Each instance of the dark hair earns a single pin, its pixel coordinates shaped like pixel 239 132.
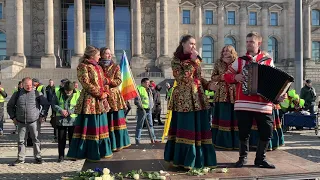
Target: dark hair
pixel 19 82
pixel 103 50
pixel 143 80
pixel 179 49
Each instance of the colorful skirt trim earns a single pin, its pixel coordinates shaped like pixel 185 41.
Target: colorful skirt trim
pixel 118 132
pixel 277 139
pixel 189 142
pixel 90 139
pixel 225 132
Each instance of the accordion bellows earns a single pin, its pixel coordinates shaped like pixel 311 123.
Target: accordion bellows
pixel 266 81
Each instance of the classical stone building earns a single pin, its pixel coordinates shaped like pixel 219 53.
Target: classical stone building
pixel 54 33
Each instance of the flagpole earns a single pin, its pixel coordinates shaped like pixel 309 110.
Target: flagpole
pixel 135 87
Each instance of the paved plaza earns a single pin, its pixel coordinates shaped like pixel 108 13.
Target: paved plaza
pixel 304 144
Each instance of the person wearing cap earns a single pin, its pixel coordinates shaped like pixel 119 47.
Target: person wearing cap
pixel 3 95
pixel 63 103
pixel 61 84
pixel 308 93
pixel 38 86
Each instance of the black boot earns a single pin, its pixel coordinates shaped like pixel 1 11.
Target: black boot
pixel 260 160
pixel 243 154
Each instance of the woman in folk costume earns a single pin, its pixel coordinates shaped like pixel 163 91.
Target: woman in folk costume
pixel 118 131
pixel 90 139
pixel 224 129
pixel 189 143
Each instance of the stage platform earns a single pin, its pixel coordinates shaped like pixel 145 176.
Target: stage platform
pixel 149 157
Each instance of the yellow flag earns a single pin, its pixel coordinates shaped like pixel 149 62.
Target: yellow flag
pixel 168 115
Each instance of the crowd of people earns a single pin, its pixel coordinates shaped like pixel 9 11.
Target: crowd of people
pixel 205 114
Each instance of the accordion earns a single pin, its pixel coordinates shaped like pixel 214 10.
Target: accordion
pixel 266 81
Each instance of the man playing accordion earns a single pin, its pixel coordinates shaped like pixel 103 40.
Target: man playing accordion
pixel 247 108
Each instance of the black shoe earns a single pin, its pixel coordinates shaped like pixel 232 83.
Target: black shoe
pixel 263 164
pixel 240 162
pixel 260 160
pixel 61 159
pixel 39 161
pixel 17 162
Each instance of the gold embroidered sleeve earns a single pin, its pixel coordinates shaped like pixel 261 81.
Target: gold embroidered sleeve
pixel 83 77
pixel 216 77
pixel 182 71
pixel 115 81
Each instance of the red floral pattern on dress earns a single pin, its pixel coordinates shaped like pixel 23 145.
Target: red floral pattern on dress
pixel 189 94
pixel 115 99
pixel 91 78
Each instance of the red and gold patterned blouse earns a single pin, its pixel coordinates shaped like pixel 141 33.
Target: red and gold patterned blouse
pixel 113 76
pixel 225 92
pixel 92 80
pixel 189 94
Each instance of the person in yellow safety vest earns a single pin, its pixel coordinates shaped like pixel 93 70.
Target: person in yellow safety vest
pixel 64 102
pixel 76 86
pixel 20 86
pixel 38 86
pixel 144 103
pixel 210 96
pixel 61 84
pixel 3 96
pixel 292 103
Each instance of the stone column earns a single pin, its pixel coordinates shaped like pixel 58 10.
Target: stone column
pixel 265 26
pixel 285 30
pixel 306 30
pixel 48 61
pixel 78 34
pixel 199 22
pixel 18 55
pixel 109 25
pixel 137 59
pixel 221 30
pixel 243 28
pixel 164 60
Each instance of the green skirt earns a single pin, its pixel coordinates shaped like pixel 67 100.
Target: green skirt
pixel 118 132
pixel 90 139
pixel 277 139
pixel 190 140
pixel 225 132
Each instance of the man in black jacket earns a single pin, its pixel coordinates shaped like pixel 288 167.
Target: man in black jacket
pixel 308 93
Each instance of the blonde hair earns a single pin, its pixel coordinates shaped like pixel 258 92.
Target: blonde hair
pixel 233 53
pixel 90 51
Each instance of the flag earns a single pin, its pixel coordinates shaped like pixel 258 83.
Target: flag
pixel 168 116
pixel 127 87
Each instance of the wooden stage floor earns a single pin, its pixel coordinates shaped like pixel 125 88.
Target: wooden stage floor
pixel 149 157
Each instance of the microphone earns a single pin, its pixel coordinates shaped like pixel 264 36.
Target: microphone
pixel 200 58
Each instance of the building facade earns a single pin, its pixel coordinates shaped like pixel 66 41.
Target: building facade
pixel 54 33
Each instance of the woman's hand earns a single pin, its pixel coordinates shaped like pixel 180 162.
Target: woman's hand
pixel 194 55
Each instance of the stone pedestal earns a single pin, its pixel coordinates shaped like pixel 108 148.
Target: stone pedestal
pixel 137 62
pixel 48 62
pixel 167 71
pixel 75 62
pixel 10 68
pixel 20 59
